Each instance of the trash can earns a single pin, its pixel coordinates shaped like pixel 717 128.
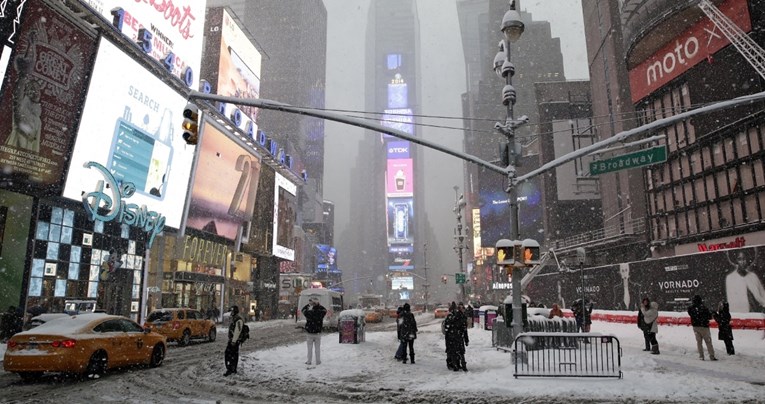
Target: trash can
pixel 490 315
pixel 351 326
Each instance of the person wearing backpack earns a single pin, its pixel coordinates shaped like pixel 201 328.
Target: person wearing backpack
pixel 314 314
pixel 235 334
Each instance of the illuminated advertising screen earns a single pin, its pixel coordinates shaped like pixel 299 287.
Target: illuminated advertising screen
pixel 260 240
pixel 401 282
pixel 393 61
pixel 399 178
pixel 285 214
pixel 400 220
pixel 225 185
pixel 399 119
pixel 398 150
pixel 405 294
pixel 401 257
pixel 43 83
pixel 131 125
pixel 237 72
pixel 326 258
pixel 397 95
pixel 176 29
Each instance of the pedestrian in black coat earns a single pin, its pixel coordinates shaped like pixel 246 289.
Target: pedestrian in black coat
pixel 231 355
pixel 401 351
pixel 724 330
pixel 408 331
pixel 700 317
pixel 456 337
pixel 642 325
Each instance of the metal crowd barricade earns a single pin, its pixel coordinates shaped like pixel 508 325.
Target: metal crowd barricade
pixel 502 334
pixel 567 354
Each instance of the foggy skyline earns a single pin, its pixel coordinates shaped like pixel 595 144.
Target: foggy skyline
pixel 441 86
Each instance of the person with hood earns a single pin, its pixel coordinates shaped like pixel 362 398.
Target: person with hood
pixel 314 314
pixel 231 355
pixel 555 311
pixel 646 302
pixel 470 313
pixel 583 315
pixel 724 330
pixel 700 317
pixel 456 337
pixel 408 331
pixel 401 351
pixel 650 311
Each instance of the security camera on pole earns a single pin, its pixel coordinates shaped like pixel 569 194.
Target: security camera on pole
pixel 512 28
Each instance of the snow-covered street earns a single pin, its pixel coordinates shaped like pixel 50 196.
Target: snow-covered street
pixel 272 369
pixel 677 375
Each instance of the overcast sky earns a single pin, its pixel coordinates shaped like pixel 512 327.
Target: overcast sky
pixel 442 84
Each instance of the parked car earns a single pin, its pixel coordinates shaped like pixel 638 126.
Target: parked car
pixel 372 316
pixel 441 312
pixel 42 319
pixel 182 325
pixel 85 344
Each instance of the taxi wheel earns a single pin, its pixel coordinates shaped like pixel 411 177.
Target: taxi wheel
pixel 157 356
pixel 185 339
pixel 212 334
pixel 30 376
pixel 97 364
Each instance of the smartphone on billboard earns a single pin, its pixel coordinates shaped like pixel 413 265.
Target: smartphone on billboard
pixel 402 220
pixel 141 158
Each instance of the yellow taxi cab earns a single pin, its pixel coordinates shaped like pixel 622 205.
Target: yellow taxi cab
pixel 86 344
pixel 372 316
pixel 441 312
pixel 182 325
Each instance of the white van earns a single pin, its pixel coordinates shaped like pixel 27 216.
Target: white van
pixel 331 300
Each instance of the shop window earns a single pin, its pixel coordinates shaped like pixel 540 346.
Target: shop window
pixel 755 139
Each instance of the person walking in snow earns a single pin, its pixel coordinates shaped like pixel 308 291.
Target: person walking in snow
pixel 401 351
pixel 724 330
pixel 231 355
pixel 642 324
pixel 456 337
pixel 650 312
pixel 583 315
pixel 408 331
pixel 314 314
pixel 700 317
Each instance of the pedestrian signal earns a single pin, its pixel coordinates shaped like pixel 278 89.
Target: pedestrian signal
pixel 191 124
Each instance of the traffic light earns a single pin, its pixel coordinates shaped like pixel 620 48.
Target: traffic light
pixel 504 154
pixel 443 279
pixel 504 252
pixel 528 252
pixel 191 124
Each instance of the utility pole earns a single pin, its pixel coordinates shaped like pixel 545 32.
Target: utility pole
pixel 425 284
pixel 459 205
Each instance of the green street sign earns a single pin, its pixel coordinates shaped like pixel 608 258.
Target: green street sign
pixel 637 159
pixel 459 278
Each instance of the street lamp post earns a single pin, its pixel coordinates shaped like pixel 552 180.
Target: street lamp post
pixel 426 284
pixel 459 238
pixel 512 28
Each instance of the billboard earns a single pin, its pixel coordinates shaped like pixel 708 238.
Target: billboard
pixel 402 282
pixel 169 32
pixel 326 258
pixel 691 47
pixel 735 275
pixel 225 185
pixel 398 149
pixel 399 178
pixel 401 257
pixel 43 81
pixel 397 94
pixel 260 240
pixel 236 66
pixel 131 126
pixel 400 220
pixel 285 216
pixel 399 119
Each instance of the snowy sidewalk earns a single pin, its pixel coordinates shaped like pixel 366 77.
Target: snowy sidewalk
pixel 675 375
